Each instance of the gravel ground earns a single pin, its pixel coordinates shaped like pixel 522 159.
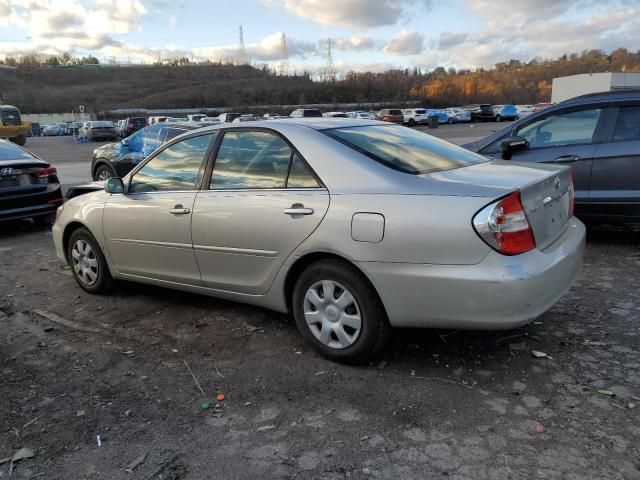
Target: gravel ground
pixel 463 405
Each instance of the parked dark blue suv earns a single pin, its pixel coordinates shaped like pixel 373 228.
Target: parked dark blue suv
pixel 598 135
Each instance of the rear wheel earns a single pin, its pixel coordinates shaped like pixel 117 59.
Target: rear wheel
pixel 412 122
pixel 103 172
pixel 339 312
pixel 450 121
pixel 88 264
pixel 498 118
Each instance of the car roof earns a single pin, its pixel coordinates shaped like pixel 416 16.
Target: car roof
pixel 604 96
pixel 315 123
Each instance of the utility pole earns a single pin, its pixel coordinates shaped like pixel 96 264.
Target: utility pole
pixel 242 51
pixel 284 63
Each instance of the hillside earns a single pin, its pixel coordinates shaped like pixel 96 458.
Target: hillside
pixel 46 89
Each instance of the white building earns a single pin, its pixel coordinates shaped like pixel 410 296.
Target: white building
pixel 564 88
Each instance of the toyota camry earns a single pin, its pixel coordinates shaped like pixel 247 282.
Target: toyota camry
pixel 352 226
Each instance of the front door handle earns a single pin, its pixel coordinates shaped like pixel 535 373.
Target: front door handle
pixel 179 210
pixel 566 159
pixel 298 209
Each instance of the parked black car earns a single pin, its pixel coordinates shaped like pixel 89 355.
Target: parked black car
pixel 133 124
pixel 598 136
pixel 480 112
pixel 29 186
pixel 118 159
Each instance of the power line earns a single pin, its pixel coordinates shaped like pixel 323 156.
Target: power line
pixel 284 62
pixel 242 51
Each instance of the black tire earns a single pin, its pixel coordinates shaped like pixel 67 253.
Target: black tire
pixel 498 118
pixel 44 220
pixel 375 329
pixel 412 122
pixel 103 170
pixel 20 140
pixel 103 282
pixel 450 121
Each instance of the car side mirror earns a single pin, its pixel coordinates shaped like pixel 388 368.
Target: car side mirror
pixel 511 145
pixel 114 185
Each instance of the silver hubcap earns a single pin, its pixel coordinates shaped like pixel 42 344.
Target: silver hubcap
pixel 104 175
pixel 85 263
pixel 332 314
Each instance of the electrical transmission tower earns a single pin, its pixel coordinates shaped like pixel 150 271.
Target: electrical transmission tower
pixel 284 62
pixel 330 71
pixel 242 51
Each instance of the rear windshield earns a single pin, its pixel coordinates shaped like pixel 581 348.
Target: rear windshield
pixel 420 112
pixel 101 124
pixel 312 113
pixel 8 151
pixel 137 120
pixel 405 149
pixel 395 112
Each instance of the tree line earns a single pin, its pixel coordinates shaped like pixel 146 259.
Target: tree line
pixel 36 85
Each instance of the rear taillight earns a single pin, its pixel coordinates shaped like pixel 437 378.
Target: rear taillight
pixel 572 195
pixel 504 226
pixel 45 172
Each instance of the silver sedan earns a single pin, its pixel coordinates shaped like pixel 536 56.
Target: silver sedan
pixel 352 226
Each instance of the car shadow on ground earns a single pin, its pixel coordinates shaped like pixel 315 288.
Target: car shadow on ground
pixel 12 228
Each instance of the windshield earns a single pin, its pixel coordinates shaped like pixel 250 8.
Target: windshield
pixel 420 112
pixel 8 151
pixel 405 149
pixel 102 124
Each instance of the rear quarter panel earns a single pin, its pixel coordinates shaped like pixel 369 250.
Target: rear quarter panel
pixel 417 229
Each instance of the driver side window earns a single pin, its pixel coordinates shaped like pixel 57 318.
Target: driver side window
pixel 568 128
pixel 174 168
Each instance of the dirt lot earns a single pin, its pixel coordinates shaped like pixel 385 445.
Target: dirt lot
pixel 463 405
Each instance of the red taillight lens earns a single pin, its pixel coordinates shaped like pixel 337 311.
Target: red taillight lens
pixel 45 172
pixel 572 194
pixel 504 226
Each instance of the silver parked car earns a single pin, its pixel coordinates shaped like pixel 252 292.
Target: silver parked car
pixel 353 226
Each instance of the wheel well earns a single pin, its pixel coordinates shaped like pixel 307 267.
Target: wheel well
pixel 98 164
pixel 69 229
pixel 303 262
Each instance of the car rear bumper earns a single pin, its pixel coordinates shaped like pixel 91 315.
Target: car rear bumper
pixel 28 206
pixel 500 292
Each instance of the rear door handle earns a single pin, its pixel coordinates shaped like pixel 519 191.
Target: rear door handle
pixel 179 210
pixel 298 210
pixel 566 159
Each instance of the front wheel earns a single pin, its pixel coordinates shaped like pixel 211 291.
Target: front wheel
pixel 450 121
pixel 339 312
pixel 498 118
pixel 103 172
pixel 412 122
pixel 88 264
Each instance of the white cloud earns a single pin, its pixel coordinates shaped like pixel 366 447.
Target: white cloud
pixel 267 49
pixel 544 28
pixel 55 26
pixel 353 44
pixel 351 13
pixel 405 43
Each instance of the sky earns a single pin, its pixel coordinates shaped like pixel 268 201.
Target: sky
pixel 373 35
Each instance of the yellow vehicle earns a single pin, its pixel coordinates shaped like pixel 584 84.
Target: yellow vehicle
pixel 12 126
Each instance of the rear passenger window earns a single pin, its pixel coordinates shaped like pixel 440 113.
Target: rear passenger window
pixel 628 124
pixel 300 176
pixel 258 160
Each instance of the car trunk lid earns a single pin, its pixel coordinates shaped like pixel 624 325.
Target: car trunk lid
pixel 23 177
pixel 545 191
